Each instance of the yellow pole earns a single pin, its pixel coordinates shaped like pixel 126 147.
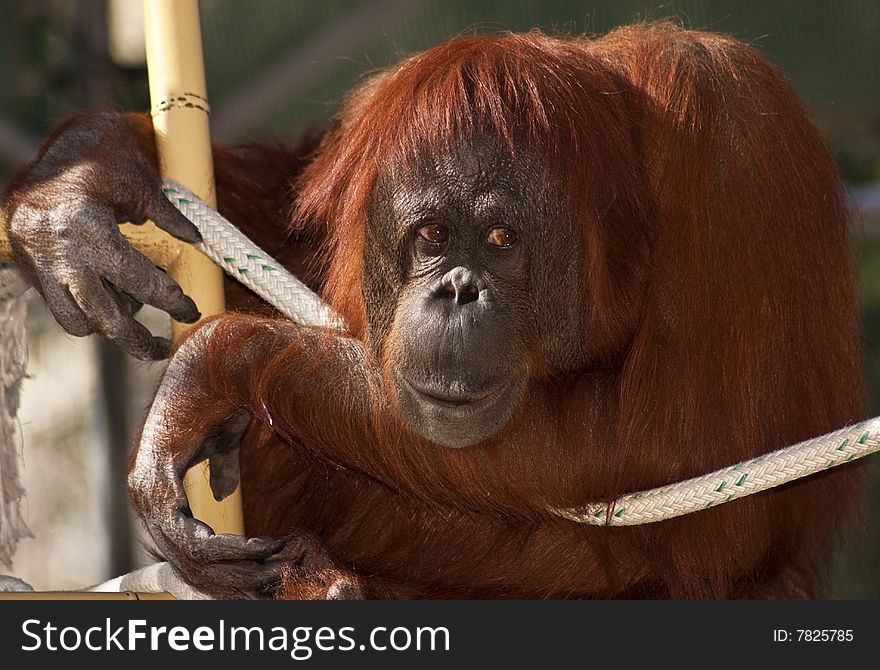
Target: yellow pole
pixel 5 251
pixel 180 118
pixel 180 109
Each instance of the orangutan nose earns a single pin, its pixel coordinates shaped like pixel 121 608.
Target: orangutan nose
pixel 461 284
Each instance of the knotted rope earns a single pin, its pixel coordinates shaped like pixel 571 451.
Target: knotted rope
pixel 249 264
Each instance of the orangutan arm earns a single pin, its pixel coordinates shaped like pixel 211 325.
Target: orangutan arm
pixel 221 376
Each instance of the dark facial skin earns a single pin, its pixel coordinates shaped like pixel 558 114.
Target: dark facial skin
pixel 473 283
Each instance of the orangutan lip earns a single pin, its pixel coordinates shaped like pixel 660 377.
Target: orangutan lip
pixel 474 401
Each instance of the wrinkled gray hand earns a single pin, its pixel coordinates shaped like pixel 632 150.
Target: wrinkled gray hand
pixel 220 565
pixel 230 566
pixel 63 213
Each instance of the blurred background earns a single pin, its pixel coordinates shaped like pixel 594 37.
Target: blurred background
pixel 277 67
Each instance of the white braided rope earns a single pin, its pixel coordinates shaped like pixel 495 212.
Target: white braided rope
pixel 736 481
pixel 224 244
pixel 254 268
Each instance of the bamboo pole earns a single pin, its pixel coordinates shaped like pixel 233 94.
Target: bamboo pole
pixel 180 118
pixel 180 110
pixel 5 251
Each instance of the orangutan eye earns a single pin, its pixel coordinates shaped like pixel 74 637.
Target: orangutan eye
pixel 501 237
pixel 434 233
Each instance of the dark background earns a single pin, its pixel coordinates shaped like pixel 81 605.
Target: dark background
pixel 276 67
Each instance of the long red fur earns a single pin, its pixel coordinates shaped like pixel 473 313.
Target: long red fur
pixel 721 316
